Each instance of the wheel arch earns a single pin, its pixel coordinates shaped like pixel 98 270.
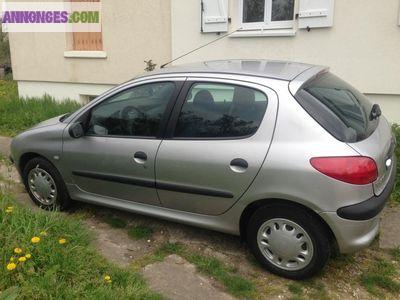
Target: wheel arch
pixel 252 207
pixel 26 157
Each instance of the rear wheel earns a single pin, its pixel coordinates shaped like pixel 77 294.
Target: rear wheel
pixel 45 185
pixel 288 241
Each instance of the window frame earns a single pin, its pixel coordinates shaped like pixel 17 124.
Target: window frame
pixel 268 23
pixel 85 116
pixel 173 122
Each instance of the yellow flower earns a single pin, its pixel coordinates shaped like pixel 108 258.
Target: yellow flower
pixel 107 278
pixel 17 250
pixel 28 256
pixel 9 211
pixel 10 207
pixel 11 266
pixel 35 240
pixel 43 233
pixel 22 259
pixel 62 241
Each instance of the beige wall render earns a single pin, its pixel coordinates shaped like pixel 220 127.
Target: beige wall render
pixel 363 46
pixel 133 31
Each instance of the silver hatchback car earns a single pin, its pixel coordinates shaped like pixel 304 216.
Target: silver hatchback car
pixel 286 155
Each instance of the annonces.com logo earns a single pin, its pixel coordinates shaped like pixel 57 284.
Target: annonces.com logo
pixel 51 17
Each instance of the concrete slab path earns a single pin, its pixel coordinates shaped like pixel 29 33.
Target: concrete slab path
pixel 177 279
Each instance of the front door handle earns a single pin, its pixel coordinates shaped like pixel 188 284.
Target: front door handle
pixel 239 165
pixel 140 157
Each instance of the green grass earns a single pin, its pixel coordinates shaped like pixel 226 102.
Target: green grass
pixel 315 290
pixel 396 254
pixel 378 278
pixel 235 284
pixel 296 288
pixel 396 192
pixel 58 271
pixel 17 114
pixel 115 222
pixel 140 232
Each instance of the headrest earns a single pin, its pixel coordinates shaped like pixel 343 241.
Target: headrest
pixel 243 97
pixel 203 99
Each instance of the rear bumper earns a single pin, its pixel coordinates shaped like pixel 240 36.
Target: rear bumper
pixel 352 236
pixel 356 226
pixel 370 208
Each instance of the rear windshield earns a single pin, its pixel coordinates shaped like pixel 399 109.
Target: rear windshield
pixel 338 107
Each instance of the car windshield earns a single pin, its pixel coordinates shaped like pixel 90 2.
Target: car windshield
pixel 338 107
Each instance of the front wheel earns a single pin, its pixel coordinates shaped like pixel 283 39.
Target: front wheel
pixel 45 185
pixel 288 241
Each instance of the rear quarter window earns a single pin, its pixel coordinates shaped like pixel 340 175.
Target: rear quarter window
pixel 338 107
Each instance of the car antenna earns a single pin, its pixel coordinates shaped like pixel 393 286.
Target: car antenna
pixel 198 48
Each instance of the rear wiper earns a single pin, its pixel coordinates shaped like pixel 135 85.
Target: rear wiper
pixel 375 112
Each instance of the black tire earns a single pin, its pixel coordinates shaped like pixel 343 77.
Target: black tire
pixel 62 201
pixel 311 224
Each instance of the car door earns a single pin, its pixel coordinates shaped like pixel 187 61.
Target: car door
pixel 116 156
pixel 217 140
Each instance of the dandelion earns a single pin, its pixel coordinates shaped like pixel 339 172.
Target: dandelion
pixel 9 211
pixel 28 256
pixel 22 259
pixel 43 233
pixel 107 279
pixel 11 266
pixel 35 240
pixel 62 241
pixel 17 250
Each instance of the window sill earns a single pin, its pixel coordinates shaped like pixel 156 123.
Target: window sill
pixel 85 54
pixel 264 33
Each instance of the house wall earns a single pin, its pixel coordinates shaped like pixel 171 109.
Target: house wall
pixel 133 31
pixel 362 47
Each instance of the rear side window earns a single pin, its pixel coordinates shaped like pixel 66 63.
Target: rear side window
pixel 220 111
pixel 338 107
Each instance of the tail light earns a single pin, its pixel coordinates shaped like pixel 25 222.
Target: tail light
pixel 351 169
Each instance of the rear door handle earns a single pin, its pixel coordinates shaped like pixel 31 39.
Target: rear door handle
pixel 140 157
pixel 239 165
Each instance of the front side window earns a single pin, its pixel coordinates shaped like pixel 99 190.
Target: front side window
pixel 135 112
pixel 221 111
pixel 267 14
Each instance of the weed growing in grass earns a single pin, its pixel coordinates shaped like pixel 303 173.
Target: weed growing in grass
pixel 379 277
pixel 50 269
pixel 140 232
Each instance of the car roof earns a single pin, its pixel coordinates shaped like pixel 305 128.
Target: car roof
pixel 283 70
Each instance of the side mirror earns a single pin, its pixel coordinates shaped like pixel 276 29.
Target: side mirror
pixel 76 130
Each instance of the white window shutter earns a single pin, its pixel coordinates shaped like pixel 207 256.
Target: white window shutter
pixel 316 13
pixel 214 15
